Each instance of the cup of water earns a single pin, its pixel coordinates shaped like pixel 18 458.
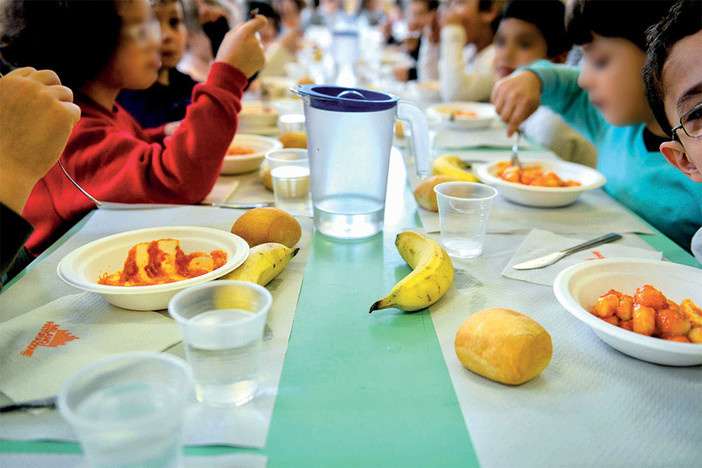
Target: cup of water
pixel 290 171
pixel 222 323
pixel 464 209
pixel 128 410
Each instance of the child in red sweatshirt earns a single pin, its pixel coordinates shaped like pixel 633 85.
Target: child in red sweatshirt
pixel 102 47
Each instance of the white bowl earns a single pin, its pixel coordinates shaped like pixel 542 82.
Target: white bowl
pixel 544 197
pixel 82 267
pixel 578 287
pixel 249 162
pixel 253 116
pixel 484 114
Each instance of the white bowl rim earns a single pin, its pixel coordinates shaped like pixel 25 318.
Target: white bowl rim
pixel 483 171
pixel 568 302
pixel 240 246
pixel 478 106
pixel 274 142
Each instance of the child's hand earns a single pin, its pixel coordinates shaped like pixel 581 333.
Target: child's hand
pixel 37 115
pixel 292 41
pixel 516 97
pixel 241 47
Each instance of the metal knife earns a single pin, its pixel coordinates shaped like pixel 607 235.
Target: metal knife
pixel 550 259
pixel 34 404
pixel 241 206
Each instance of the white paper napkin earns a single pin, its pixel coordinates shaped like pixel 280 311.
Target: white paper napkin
pixel 539 243
pixel 39 350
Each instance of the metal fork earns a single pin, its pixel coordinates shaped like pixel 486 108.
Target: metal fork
pixel 514 158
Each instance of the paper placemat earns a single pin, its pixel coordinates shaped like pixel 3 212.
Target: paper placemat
pixel 222 190
pixel 580 390
pixel 244 426
pixel 41 349
pixel 239 460
pixel 539 243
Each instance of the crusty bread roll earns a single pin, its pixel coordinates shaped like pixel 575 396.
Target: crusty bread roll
pixel 267 224
pixel 424 193
pixel 504 346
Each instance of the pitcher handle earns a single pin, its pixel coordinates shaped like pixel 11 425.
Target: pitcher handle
pixel 420 135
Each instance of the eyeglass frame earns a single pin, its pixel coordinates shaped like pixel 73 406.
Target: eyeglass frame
pixel 682 126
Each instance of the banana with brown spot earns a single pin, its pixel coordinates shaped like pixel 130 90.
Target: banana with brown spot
pixel 265 262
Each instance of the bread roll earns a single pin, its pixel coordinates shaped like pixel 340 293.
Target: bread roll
pixel 424 193
pixel 504 346
pixel 267 224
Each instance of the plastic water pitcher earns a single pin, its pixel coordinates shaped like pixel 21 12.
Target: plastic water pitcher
pixel 349 138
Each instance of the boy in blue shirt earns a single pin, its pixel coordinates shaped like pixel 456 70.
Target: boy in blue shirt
pixel 606 103
pixel 673 79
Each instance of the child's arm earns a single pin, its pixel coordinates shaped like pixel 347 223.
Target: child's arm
pixel 456 84
pixel 555 86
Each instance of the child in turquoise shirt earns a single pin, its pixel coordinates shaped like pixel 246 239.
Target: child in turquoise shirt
pixel 606 102
pixel 673 81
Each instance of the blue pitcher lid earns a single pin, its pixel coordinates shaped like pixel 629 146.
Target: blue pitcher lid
pixel 342 99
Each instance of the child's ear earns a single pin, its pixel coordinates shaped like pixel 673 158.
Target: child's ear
pixel 675 153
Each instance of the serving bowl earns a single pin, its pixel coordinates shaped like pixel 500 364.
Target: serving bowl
pixel 578 287
pixel 253 116
pixel 83 267
pixel 239 164
pixel 544 197
pixel 463 114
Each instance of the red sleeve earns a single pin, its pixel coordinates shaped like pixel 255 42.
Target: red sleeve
pixel 116 165
pixel 156 134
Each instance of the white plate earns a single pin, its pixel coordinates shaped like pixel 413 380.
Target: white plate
pixel 544 197
pixel 83 267
pixel 578 287
pixel 249 162
pixel 484 114
pixel 252 115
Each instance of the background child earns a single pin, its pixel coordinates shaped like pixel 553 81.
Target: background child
pixel 465 53
pixel 102 48
pixel 674 90
pixel 166 100
pixel 605 101
pixel 531 30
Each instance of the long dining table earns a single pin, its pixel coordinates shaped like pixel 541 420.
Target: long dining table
pixel 383 389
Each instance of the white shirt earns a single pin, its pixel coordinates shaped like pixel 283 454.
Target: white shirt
pixel 697 245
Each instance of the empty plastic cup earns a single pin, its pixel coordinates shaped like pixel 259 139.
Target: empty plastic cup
pixel 290 171
pixel 464 209
pixel 127 410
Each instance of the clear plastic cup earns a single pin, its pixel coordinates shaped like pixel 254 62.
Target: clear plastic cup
pixel 292 122
pixel 290 171
pixel 222 324
pixel 128 410
pixel 464 209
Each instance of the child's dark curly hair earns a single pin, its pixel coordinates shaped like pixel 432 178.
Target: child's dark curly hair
pixel 684 19
pixel 76 39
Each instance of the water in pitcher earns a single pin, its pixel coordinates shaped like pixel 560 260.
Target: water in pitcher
pixel 349 216
pixel 225 375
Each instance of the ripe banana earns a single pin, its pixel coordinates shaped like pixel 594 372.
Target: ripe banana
pixel 453 166
pixel 265 262
pixel 431 276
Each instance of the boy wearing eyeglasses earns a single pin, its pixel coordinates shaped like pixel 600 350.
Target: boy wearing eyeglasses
pixel 673 80
pixel 606 102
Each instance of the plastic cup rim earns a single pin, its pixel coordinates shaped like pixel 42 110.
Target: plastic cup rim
pixel 461 183
pixel 270 156
pixel 188 322
pixel 179 399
